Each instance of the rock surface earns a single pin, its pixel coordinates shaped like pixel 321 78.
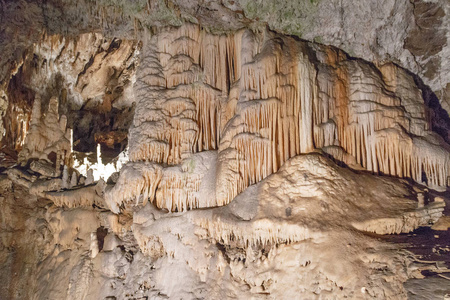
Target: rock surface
pixel 277 98
pixel 413 34
pixel 302 224
pixel 201 150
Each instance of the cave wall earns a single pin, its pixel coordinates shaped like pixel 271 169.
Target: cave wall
pixel 256 159
pixel 91 76
pixel 411 33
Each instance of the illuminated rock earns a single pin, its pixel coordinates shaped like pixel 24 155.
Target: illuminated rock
pixel 261 99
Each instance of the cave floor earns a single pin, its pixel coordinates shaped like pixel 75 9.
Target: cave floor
pixel 432 251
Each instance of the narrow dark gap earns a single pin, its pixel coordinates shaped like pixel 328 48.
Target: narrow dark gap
pixel 101 234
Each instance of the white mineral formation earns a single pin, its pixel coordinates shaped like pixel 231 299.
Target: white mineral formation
pixel 98 168
pixel 94 245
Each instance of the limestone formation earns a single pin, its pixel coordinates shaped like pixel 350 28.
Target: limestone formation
pixel 48 137
pixel 183 150
pixel 281 102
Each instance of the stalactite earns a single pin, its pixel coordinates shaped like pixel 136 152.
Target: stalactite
pixel 135 179
pixel 180 85
pixel 259 232
pixel 175 188
pixel 261 100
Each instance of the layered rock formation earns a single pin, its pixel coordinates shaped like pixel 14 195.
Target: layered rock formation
pixel 187 163
pixel 261 99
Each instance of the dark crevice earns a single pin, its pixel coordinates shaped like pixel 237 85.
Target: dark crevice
pixel 86 67
pixel 115 44
pixel 437 116
pixel 101 234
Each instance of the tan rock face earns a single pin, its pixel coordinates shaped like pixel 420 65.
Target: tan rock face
pixel 261 99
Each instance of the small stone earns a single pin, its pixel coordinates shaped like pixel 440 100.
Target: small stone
pixel 438 199
pixel 421 200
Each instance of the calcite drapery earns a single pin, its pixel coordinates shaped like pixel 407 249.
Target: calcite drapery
pixel 260 99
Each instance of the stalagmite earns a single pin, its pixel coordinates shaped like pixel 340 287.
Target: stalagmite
pixel 65 178
pixel 90 177
pixel 73 180
pixel 94 245
pixel 420 200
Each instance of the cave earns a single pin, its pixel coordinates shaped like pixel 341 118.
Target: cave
pixel 224 149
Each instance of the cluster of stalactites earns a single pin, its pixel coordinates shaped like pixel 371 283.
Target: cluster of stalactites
pixel 281 103
pixel 217 56
pixel 277 91
pixel 360 113
pixel 430 160
pixel 288 106
pixel 48 134
pixel 184 74
pixel 177 192
pixel 174 188
pixel 256 233
pixel 135 179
